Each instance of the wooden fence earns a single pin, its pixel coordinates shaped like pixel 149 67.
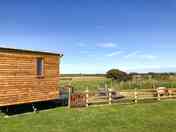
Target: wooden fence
pixel 133 96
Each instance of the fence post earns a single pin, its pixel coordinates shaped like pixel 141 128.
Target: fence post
pixel 106 86
pixel 69 97
pixel 170 93
pixel 154 84
pixel 141 84
pixel 159 98
pixel 135 96
pixel 110 96
pixel 129 85
pixel 87 97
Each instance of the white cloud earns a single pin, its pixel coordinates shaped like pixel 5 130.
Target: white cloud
pixel 114 53
pixel 3 45
pixel 7 45
pixel 107 45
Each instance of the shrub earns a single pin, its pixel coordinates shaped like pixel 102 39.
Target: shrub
pixel 118 75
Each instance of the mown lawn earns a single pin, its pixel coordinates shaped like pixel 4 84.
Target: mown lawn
pixel 153 117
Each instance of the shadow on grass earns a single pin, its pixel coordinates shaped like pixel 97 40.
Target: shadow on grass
pixel 35 107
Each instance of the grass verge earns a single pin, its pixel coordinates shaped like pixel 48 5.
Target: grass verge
pixel 150 117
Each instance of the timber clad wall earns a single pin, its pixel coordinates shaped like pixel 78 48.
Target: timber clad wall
pixel 18 78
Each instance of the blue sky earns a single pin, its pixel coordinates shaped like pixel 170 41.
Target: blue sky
pixel 95 35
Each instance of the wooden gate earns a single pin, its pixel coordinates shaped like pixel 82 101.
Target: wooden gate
pixel 78 100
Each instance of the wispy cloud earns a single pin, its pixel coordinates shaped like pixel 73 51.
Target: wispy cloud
pixel 114 53
pixel 107 45
pixel 139 55
pixel 132 54
pixel 150 57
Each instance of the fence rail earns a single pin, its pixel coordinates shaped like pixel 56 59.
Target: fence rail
pixel 126 96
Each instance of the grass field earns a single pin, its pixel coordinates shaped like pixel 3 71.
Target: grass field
pixel 149 117
pixel 81 83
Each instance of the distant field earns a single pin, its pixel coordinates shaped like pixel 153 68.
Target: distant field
pixel 83 78
pixel 81 83
pixel 81 75
pixel 93 82
pixel 150 117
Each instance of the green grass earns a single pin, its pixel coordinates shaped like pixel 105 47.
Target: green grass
pixel 150 117
pixel 82 85
pixel 94 83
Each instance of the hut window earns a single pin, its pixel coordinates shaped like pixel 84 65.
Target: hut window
pixel 40 67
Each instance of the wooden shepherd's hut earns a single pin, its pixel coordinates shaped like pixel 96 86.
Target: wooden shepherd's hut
pixel 28 76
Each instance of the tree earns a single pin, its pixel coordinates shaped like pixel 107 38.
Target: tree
pixel 118 75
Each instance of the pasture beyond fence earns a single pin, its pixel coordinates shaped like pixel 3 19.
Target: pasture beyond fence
pixel 81 83
pixel 110 96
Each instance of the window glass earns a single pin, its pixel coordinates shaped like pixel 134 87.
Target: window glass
pixel 40 67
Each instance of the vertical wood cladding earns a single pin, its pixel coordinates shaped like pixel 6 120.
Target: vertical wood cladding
pixel 19 82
